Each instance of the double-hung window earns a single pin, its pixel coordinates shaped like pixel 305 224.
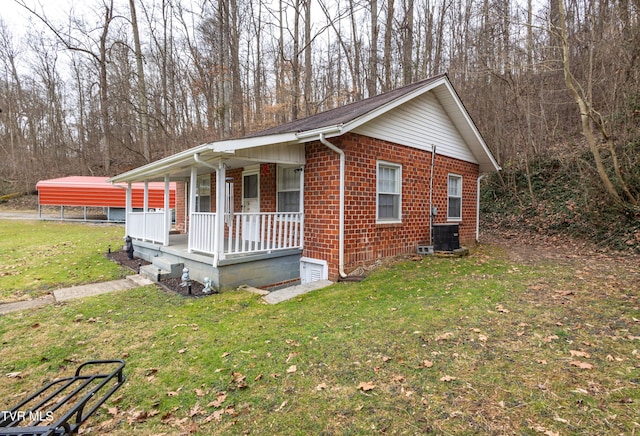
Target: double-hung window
pixel 389 192
pixel 454 199
pixel 288 187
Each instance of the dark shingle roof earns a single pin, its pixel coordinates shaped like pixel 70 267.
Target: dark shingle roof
pixel 343 114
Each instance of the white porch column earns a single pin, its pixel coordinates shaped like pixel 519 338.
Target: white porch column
pixel 193 186
pixel 128 208
pixel 145 208
pixel 218 238
pixel 167 210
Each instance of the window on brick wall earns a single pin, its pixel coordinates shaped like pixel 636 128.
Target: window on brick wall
pixel 454 198
pixel 288 187
pixel 389 195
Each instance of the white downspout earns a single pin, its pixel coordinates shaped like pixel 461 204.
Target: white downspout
pixel 478 206
pixel 433 158
pixel 341 212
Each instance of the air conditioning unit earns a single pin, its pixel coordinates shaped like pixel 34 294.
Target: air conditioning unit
pixel 446 237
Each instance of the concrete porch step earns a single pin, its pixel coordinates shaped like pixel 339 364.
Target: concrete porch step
pixel 165 264
pixel 161 268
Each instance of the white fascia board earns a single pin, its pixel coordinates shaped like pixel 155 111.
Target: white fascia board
pixel 471 125
pixel 232 145
pixel 328 132
pixel 219 148
pixel 160 167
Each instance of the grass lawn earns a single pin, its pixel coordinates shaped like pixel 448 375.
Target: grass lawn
pixel 477 345
pixel 39 256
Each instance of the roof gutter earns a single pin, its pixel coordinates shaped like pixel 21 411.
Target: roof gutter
pixel 196 157
pixel 341 209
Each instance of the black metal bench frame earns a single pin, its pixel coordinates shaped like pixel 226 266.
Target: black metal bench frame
pixel 36 415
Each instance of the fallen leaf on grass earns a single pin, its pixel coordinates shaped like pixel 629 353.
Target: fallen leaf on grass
pixel 137 416
pixel 199 392
pixel 576 353
pixel 427 363
pixel 501 309
pixel 239 379
pixel 182 350
pixel 581 365
pixel 444 336
pixel 551 338
pixel 321 386
pixel 447 378
pixel 581 391
pixel 291 356
pixel 220 398
pixel 366 386
pixel 196 410
pixel 217 415
pixel 282 406
pixel 14 374
pixel 292 369
pixel 225 354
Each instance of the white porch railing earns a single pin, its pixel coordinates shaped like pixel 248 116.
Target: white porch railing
pixel 202 232
pixel 244 233
pixel 148 226
pixel 264 231
pixel 247 233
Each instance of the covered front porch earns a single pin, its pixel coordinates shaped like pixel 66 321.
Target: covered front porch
pixel 246 225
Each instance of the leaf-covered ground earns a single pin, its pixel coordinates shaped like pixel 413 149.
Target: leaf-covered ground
pixel 527 335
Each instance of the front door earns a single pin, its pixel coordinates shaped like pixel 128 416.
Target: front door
pixel 251 205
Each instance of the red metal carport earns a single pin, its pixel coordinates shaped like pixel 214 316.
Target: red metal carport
pixel 88 191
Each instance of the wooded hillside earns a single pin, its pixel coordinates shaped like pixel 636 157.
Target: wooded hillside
pixel 128 82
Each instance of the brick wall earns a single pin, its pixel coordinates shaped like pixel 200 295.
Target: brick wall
pixel 365 240
pixel 181 207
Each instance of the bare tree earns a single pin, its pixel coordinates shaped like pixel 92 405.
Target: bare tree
pixel 142 85
pixel 590 118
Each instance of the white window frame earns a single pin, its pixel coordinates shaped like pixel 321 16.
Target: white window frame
pixel 455 195
pixel 279 173
pixel 398 191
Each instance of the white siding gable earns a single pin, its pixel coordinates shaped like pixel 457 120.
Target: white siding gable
pixel 420 123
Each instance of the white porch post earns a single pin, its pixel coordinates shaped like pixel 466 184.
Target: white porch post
pixel 167 210
pixel 193 185
pixel 218 238
pixel 128 208
pixel 145 208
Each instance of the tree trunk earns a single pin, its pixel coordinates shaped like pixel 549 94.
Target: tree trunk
pixel 583 106
pixel 387 46
pixel 142 86
pixel 372 80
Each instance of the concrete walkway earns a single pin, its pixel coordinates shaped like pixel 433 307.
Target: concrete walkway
pixel 74 292
pixel 293 291
pixel 134 281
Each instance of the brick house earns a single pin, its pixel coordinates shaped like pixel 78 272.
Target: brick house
pixel 318 197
